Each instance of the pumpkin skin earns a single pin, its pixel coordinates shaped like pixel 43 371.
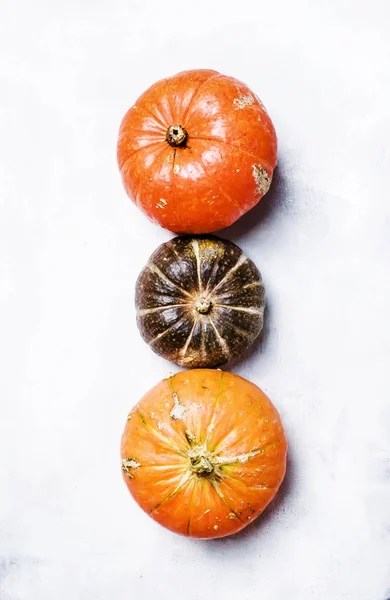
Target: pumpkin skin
pixel 196 151
pixel 203 453
pixel 199 301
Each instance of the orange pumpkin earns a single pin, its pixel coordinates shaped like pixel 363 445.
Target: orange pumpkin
pixel 197 151
pixel 203 453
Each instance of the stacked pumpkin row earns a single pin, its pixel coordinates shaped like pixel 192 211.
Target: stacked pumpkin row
pixel 204 451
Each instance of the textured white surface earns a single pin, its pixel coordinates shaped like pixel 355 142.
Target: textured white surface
pixel 72 244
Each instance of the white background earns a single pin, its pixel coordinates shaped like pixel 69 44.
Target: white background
pixel 72 245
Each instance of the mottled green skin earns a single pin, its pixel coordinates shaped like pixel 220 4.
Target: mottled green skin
pixel 188 269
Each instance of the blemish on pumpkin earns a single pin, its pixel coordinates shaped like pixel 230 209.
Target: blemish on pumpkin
pixel 262 179
pixel 189 436
pixel 242 458
pixel 216 527
pixel 178 409
pixel 128 464
pixel 162 203
pixel 243 101
pixel 142 418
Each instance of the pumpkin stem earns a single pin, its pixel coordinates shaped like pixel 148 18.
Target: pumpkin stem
pixel 203 305
pixel 176 136
pixel 201 466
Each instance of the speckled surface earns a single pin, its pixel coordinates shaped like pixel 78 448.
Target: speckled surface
pixel 72 245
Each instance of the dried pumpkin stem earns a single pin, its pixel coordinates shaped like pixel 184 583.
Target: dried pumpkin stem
pixel 201 466
pixel 203 305
pixel 176 136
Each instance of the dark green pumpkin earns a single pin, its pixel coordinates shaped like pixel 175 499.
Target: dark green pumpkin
pixel 200 301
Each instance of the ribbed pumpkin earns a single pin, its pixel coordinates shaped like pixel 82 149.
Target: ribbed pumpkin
pixel 197 151
pixel 203 453
pixel 199 301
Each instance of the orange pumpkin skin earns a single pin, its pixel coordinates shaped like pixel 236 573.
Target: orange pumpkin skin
pixel 207 180
pixel 203 453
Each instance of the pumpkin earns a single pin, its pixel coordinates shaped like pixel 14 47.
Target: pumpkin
pixel 199 301
pixel 196 151
pixel 203 453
